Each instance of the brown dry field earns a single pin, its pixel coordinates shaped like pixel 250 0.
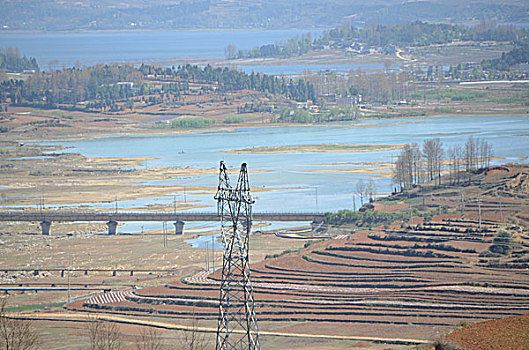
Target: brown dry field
pixel 102 179
pixel 326 289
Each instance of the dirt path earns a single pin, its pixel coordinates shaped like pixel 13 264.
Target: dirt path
pixel 80 317
pixel 398 54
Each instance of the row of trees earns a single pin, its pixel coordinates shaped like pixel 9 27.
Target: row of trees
pixel 417 165
pixel 231 79
pixel 293 47
pixel 519 54
pixel 106 83
pixel 419 34
pixel 383 87
pixel 102 86
pixel 11 61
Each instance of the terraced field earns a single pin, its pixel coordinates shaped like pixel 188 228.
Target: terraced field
pixel 415 279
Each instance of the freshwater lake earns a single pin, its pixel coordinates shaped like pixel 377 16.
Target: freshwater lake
pixel 307 181
pixel 89 48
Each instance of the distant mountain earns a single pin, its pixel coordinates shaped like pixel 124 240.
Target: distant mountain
pixel 65 15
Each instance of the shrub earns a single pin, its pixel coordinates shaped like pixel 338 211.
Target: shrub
pixel 502 243
pixel 234 119
pixel 191 123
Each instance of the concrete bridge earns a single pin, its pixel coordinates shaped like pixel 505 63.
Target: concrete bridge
pixel 46 217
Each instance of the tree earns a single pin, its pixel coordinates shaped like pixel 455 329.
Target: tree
pixel 502 243
pixel 477 154
pixel 455 159
pixel 433 152
pixel 193 339
pixel 230 51
pixel 485 153
pixel 103 335
pixel 16 333
pixel 149 339
pixel 470 156
pixel 361 188
pixel 407 170
pixel 370 190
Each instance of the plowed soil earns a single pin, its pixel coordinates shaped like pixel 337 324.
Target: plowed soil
pixel 511 333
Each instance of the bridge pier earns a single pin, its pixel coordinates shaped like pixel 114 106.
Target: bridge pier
pixel 45 226
pixel 112 227
pixel 179 227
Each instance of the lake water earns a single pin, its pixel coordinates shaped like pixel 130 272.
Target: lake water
pixel 90 48
pixel 301 182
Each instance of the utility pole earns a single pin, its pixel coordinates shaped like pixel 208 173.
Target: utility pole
pixel 316 189
pixel 501 211
pixel 206 243
pixel 411 211
pixel 213 251
pixel 68 285
pixel 164 230
pixel 462 205
pixel 479 209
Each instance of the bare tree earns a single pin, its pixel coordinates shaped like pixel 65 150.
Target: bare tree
pixel 149 339
pixel 408 168
pixel 103 335
pixel 398 173
pixel 370 190
pixel 478 154
pixel 470 159
pixel 361 188
pixel 193 339
pixel 434 153
pixel 485 153
pixel 455 159
pixel 16 333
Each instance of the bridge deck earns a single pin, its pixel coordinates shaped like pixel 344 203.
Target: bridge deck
pixel 139 216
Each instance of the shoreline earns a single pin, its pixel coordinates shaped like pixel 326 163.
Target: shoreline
pixel 160 30
pixel 145 132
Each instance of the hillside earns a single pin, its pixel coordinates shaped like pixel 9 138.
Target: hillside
pixel 221 14
pixel 397 278
pixel 511 333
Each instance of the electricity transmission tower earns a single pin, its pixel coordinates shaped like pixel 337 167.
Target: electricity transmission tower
pixel 237 323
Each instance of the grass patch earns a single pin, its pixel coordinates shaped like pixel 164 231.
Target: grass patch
pixel 33 307
pixel 444 110
pixel 191 123
pixel 449 94
pixel 234 119
pixel 514 98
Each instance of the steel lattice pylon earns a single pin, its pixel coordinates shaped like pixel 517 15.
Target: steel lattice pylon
pixel 237 323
